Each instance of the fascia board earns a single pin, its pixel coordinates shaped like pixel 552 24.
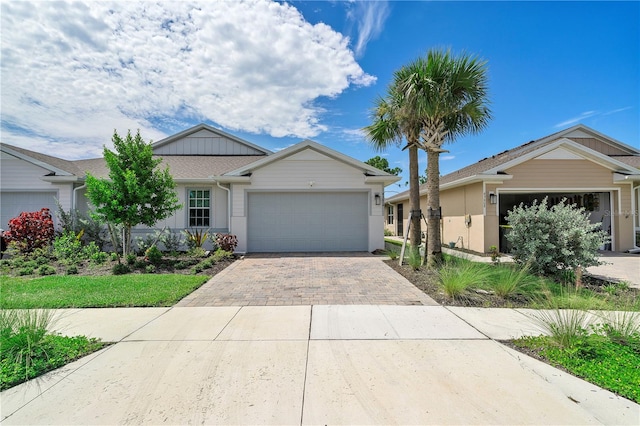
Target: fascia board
pixel 307 144
pixel 387 180
pixel 203 126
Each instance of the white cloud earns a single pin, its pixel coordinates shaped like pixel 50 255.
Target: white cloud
pixel 576 119
pixel 75 71
pixel 447 157
pixel 369 17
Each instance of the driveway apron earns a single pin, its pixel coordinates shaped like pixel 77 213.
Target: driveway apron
pixel 307 279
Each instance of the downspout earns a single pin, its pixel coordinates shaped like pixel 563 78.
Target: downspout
pixel 228 205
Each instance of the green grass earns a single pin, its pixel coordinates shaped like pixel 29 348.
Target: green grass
pixel 456 276
pixel 96 291
pixel 597 359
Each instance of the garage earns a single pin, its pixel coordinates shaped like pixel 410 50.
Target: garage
pixel 14 203
pixel 307 221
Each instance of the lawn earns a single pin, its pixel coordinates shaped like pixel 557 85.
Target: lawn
pixel 97 291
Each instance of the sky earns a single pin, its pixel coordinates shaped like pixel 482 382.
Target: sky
pixel 276 73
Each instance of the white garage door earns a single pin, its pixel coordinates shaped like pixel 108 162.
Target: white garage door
pixel 307 222
pixel 14 203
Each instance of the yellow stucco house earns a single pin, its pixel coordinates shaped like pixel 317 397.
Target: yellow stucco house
pixel 590 169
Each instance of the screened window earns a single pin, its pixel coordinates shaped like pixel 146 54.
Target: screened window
pixel 200 208
pixel 390 215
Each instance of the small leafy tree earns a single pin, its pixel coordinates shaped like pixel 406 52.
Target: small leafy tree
pixel 30 230
pixel 554 239
pixel 137 192
pixel 381 163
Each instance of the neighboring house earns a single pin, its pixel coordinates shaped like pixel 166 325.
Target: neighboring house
pixel 305 198
pixel 580 164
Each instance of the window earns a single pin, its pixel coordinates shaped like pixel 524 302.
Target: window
pixel 390 215
pixel 200 208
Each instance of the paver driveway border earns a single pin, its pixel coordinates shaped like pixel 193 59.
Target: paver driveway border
pixel 286 279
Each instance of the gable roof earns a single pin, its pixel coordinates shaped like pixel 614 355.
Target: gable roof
pixel 186 133
pixel 181 167
pixel 492 168
pixel 56 166
pixel 371 173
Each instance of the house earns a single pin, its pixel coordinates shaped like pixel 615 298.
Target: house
pixel 588 168
pixel 305 198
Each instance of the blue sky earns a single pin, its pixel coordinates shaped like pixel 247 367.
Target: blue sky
pixel 278 73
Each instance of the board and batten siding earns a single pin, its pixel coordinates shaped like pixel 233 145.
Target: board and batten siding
pixel 204 142
pixel 598 145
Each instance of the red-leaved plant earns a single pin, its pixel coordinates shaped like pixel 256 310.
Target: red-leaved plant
pixel 30 230
pixel 227 242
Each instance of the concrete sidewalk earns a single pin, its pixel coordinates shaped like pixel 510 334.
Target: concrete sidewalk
pixel 328 364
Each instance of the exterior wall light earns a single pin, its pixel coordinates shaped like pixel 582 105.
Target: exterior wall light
pixel 378 199
pixel 493 198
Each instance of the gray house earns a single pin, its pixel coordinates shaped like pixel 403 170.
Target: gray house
pixel 306 198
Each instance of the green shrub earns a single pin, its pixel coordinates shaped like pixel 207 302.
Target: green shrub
pixel 41 260
pixel 556 238
pixel 196 238
pixel 221 255
pixel 139 264
pixel 120 269
pixel 46 270
pixel 172 241
pixel 67 247
pixel 27 270
pixel 565 327
pixel 131 259
pixel 153 255
pixel 72 270
pixel 150 269
pixel 184 264
pixel 414 259
pixel 100 257
pixel 197 252
pixel 92 251
pixel 114 257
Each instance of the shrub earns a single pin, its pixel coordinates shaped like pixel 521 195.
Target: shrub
pixel 196 238
pixel 153 255
pixel 86 226
pixel 184 264
pixel 414 259
pixel 221 255
pixel 72 270
pixel 27 270
pixel 99 257
pixel 120 269
pixel 114 257
pixel 227 242
pixel 131 259
pixel 67 247
pixel 554 239
pixel 150 269
pixel 172 241
pixel 30 230
pixel 46 270
pixel 139 264
pixel 495 254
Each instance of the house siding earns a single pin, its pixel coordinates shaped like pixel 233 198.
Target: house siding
pixel 598 145
pixel 307 171
pixel 559 174
pixel 18 175
pixel 456 204
pixel 205 142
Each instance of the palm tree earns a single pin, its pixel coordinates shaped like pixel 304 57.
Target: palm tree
pixel 447 95
pixel 391 124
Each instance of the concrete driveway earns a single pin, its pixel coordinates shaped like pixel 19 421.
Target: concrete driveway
pixel 307 279
pixel 329 364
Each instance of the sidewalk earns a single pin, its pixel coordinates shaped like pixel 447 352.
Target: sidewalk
pixel 328 364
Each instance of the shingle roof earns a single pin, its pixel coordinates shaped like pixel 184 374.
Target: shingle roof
pixel 58 163
pixel 182 167
pixel 494 161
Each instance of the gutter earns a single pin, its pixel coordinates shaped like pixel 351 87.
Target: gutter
pixel 228 203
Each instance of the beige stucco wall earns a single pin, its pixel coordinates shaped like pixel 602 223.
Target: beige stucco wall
pixel 463 219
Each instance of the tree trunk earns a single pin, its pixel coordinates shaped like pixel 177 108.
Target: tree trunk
pixel 434 243
pixel 414 199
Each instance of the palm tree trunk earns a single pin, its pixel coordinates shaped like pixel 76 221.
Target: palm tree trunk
pixel 434 249
pixel 414 198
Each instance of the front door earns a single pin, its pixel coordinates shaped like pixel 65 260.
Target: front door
pixel 400 221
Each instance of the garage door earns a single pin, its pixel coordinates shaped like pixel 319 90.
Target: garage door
pixel 307 222
pixel 14 203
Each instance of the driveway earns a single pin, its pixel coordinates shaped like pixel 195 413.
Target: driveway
pixel 307 279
